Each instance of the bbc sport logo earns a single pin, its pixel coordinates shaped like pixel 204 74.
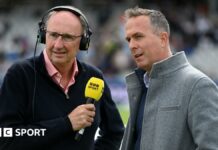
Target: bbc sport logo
pixel 9 132
pixel 6 132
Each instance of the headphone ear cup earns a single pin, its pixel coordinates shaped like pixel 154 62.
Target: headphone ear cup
pixel 84 43
pixel 42 36
pixel 41 33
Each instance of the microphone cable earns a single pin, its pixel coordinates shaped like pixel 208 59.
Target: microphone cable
pixel 34 86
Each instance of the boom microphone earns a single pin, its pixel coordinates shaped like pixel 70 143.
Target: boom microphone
pixel 93 92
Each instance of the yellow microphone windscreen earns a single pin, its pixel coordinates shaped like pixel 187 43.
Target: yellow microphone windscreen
pixel 94 88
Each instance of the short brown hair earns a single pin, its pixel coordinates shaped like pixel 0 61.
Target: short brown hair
pixel 158 20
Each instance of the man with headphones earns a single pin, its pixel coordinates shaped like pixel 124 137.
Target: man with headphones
pixel 44 96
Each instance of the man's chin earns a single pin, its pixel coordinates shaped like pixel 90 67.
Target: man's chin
pixel 58 61
pixel 142 66
pixel 139 65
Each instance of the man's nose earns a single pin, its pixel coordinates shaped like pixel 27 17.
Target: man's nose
pixel 132 44
pixel 59 42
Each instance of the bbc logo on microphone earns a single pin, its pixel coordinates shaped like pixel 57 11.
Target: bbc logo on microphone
pixel 93 86
pixel 6 132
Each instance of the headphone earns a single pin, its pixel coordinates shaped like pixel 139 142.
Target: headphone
pixel 85 40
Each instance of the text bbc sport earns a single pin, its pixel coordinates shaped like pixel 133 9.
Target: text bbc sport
pixel 10 132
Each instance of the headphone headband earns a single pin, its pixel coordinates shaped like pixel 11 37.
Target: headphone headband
pixel 85 40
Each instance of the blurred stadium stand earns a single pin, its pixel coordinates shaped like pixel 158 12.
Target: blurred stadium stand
pixel 194 29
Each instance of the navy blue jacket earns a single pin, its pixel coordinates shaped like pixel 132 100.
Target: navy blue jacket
pixel 31 101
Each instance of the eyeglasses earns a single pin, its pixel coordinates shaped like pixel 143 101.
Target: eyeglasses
pixel 65 37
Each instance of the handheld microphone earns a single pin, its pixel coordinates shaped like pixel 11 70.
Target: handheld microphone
pixel 93 92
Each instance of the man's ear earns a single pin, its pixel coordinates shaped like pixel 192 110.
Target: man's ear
pixel 164 37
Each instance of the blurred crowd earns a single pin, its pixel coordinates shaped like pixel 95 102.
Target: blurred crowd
pixel 194 29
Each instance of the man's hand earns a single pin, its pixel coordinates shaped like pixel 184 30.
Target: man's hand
pixel 82 116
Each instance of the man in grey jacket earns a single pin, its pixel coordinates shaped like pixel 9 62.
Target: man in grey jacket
pixel 173 106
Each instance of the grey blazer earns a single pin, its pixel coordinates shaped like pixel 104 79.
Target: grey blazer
pixel 181 108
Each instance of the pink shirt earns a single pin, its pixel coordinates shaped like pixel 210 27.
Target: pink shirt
pixel 56 76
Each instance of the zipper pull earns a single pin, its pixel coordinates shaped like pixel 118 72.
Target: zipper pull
pixel 67 96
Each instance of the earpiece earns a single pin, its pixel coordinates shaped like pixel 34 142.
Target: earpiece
pixel 85 40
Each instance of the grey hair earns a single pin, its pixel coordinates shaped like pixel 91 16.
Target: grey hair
pixel 82 21
pixel 158 20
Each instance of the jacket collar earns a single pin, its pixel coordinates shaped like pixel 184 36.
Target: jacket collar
pixel 160 69
pixel 163 68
